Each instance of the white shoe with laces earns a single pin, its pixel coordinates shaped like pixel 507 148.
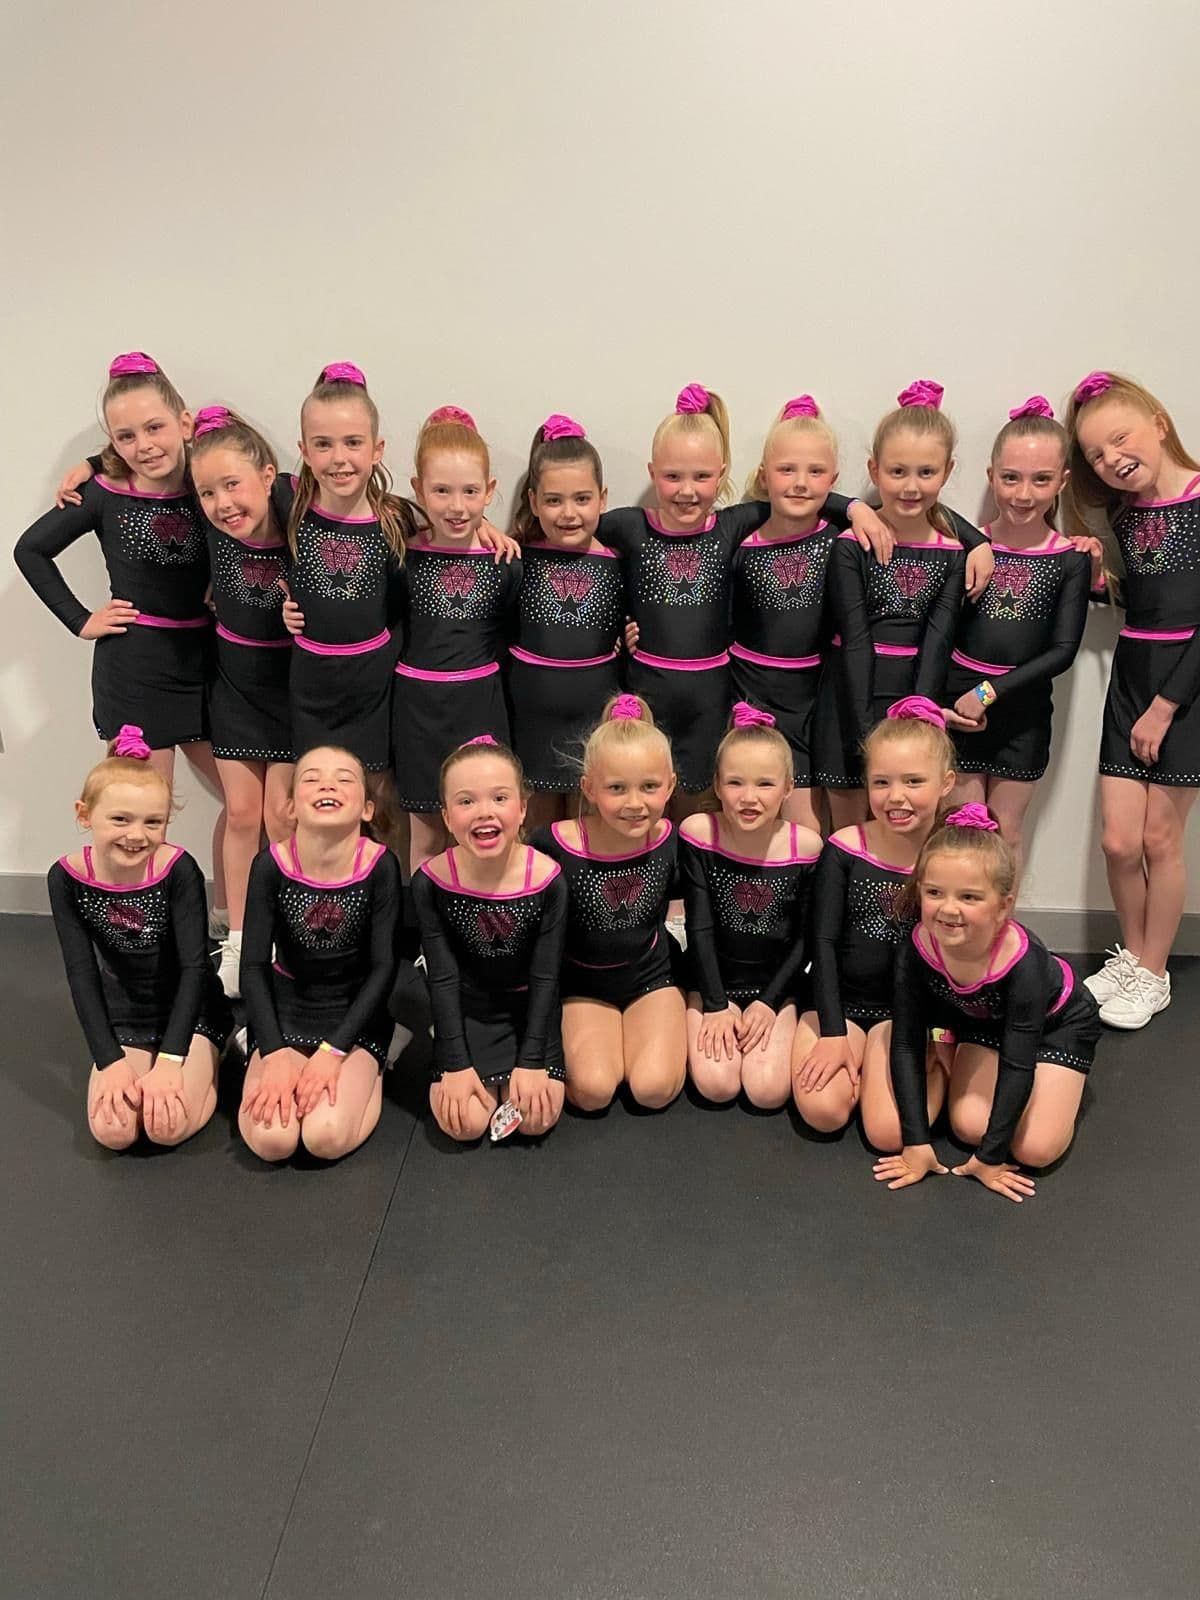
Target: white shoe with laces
pixel 218 924
pixel 229 971
pixel 1144 995
pixel 1114 976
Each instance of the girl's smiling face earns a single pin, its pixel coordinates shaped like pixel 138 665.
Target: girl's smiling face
pixel 568 503
pixel 128 822
pixel 752 784
pixel 234 494
pixel 686 474
pixel 340 450
pixel 329 792
pixel 454 492
pixel 483 806
pixel 960 905
pixel 148 436
pixel 910 474
pixel 1026 478
pixel 1123 445
pixel 799 469
pixel 629 787
pixel 905 785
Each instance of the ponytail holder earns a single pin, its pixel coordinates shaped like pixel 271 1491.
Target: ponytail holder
pixel 747 716
pixel 692 399
pixel 972 816
pixel 481 738
pixel 626 708
pixel 1036 406
pixel 802 406
pixel 210 418
pixel 916 708
pixel 559 427
pixel 452 414
pixel 132 362
pixel 924 392
pixel 343 372
pixel 1096 383
pixel 129 742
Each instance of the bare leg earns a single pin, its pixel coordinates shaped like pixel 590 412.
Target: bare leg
pixel 970 789
pixel 477 1117
pixel 243 785
pixel 718 1081
pixel 1123 806
pixel 880 1113
pixel 830 1108
pixel 1047 1124
pixel 427 837
pixel 767 1069
pixel 273 1143
pixel 655 1040
pixel 801 806
pixel 1009 799
pixel 544 809
pixel 116 1135
pixel 277 789
pixel 333 1131
pixel 200 758
pixel 846 807
pixel 199 1091
pixel 1166 873
pixel 594 1048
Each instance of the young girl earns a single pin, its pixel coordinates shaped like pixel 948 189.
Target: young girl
pixel 492 913
pixel 746 874
pixel 1025 1030
pixel 1127 459
pixel 318 965
pixel 233 469
pixel 858 922
pixel 152 637
pixel 623 1011
pixel 896 623
pixel 129 914
pixel 347 535
pixel 563 662
pixel 1023 631
pixel 456 603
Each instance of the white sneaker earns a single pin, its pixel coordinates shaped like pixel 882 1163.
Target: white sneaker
pixel 677 928
pixel 230 969
pixel 218 924
pixel 1114 975
pixel 1143 997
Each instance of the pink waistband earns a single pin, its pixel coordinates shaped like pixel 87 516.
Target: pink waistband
pixel 254 644
pixel 313 648
pixel 978 666
pixel 682 664
pixel 145 619
pixel 447 677
pixel 792 662
pixel 1163 636
pixel 518 654
pixel 895 649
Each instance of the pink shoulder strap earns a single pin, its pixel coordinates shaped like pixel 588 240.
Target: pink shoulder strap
pixel 452 867
pixel 87 863
pixel 529 853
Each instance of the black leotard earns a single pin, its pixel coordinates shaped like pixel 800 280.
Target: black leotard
pixel 856 929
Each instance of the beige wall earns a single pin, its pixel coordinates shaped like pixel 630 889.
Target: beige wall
pixel 535 207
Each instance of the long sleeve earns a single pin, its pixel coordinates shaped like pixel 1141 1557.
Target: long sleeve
pixel 848 596
pixel 189 929
pixel 782 986
pixel 909 1028
pixel 1027 1001
pixel 620 528
pixel 941 625
pixel 83 971
pixel 1182 683
pixel 701 927
pixel 836 509
pixel 39 546
pixel 830 885
pixel 1070 619
pixel 258 938
pixel 545 965
pixel 450 1052
pixel 381 972
pixel 969 536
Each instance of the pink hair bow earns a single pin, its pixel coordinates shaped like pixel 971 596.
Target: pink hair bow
pixel 453 414
pixel 129 742
pixel 802 406
pixel 924 392
pixel 557 426
pixel 747 716
pixel 481 738
pixel 132 362
pixel 1096 383
pixel 916 708
pixel 1036 406
pixel 343 372
pixel 626 708
pixel 973 816
pixel 692 398
pixel 210 418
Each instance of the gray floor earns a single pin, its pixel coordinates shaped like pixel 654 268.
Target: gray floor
pixel 697 1355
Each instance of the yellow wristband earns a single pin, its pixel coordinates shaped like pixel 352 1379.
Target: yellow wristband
pixel 165 1055
pixel 330 1049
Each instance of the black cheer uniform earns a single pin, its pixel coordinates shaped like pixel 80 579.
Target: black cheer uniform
pixel 1158 652
pixel 318 959
pixel 343 578
pixel 617 945
pixel 857 927
pixel 153 675
pixel 563 662
pixel 896 628
pixel 455 608
pixel 1032 1009
pixel 492 963
pixel 746 922
pixel 136 957
pixel 248 696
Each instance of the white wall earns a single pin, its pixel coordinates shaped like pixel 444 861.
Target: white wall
pixel 558 206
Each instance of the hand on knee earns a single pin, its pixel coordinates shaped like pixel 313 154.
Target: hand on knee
pixel 114 1136
pixel 831 1109
pixel 718 1081
pixel 274 1143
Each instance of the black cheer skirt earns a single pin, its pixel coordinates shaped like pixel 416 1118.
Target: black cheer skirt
pixel 248 703
pixel 1140 668
pixel 305 1020
pixel 343 700
pixel 1069 1038
pixel 553 709
pixel 154 679
pixel 432 717
pixel 790 695
pixel 141 1025
pixel 1016 741
pixel 838 757
pixel 494 1025
pixel 691 706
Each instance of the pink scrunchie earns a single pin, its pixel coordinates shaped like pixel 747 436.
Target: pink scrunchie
pixel 691 399
pixel 556 426
pixel 626 708
pixel 343 372
pixel 747 716
pixel 802 406
pixel 916 708
pixel 481 738
pixel 132 362
pixel 972 816
pixel 452 414
pixel 129 742
pixel 210 418
pixel 1036 406
pixel 1096 383
pixel 924 392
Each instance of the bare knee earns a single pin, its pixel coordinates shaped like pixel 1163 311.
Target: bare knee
pixel 654 1082
pixel 718 1081
pixel 325 1135
pixel 830 1110
pixel 881 1128
pixel 274 1143
pixel 767 1087
pixel 112 1135
pixel 591 1086
pixel 473 1126
pixel 1162 846
pixel 1041 1148
pixel 969 1119
pixel 1121 846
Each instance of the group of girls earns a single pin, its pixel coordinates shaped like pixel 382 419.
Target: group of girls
pixel 361 629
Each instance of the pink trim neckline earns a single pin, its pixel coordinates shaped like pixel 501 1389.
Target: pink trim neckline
pixel 670 533
pixel 755 540
pixel 122 888
pixel 316 883
pixel 597 549
pixel 865 855
pixel 1191 492
pixel 332 516
pixel 717 849
pixel 591 855
pixel 491 894
pixel 140 494
pixel 938 962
